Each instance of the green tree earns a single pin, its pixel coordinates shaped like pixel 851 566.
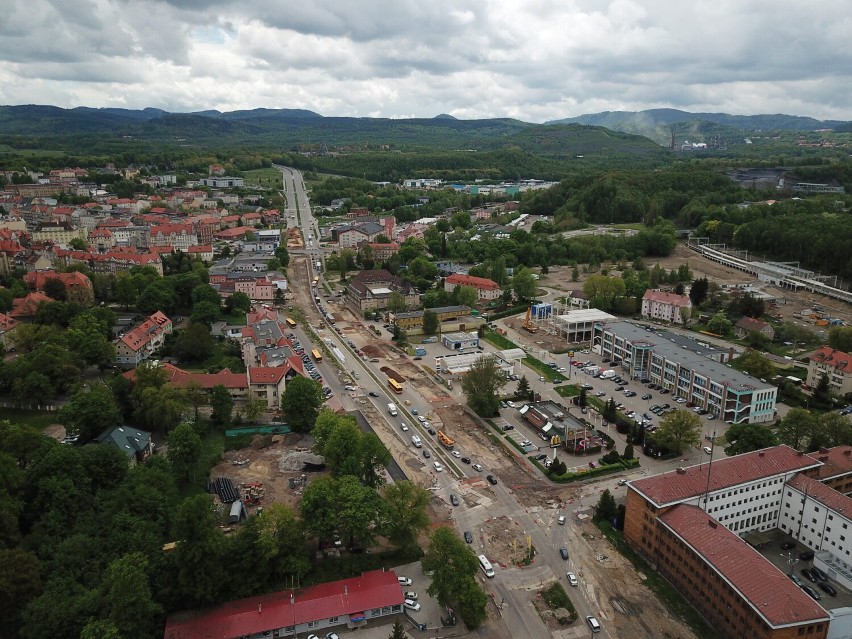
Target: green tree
pixel 204 312
pixel 755 364
pixel 127 597
pixel 397 631
pixel 205 293
pixel 100 629
pixel 282 255
pixel 605 509
pixel 195 343
pixel 523 391
pixel 575 274
pixel 430 322
pixel 628 451
pixel 745 438
pixel 199 555
pixel 343 505
pixel 795 428
pixel 222 405
pixel 237 302
pixel 78 244
pixel 466 296
pixel 90 412
pixel 300 403
pixel 582 400
pixel 836 428
pixel 281 541
pixel 482 386
pixel 840 338
pixel 160 409
pixel 55 289
pixel 253 408
pixel 698 291
pixel 396 302
pixel 603 290
pixel 454 568
pixel 523 284
pixel 720 324
pixel 822 396
pixel 20 582
pixel 184 451
pixel 678 430
pixel 405 513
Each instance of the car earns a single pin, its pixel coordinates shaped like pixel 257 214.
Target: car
pixel 456 454
pixel 411 605
pixel 511 404
pixel 622 482
pixel 426 454
pixel 454 500
pixel 468 537
pixel 312 637
pixel 631 414
pixel 619 388
pixel 438 467
pixel 350 387
pixel 541 457
pixel 708 450
pixel 561 520
pixel 647 396
pixel 410 594
pixel 421 419
pixel 477 467
pixel 813 593
pixel 404 581
pixel 594 624
pixel 795 579
pixel 787 545
pixel 561 369
pixel 827 588
pixel 665 391
pixel 572 578
pixel 553 365
pixel 680 400
pixel 819 574
pixel 563 552
pixel 807 555
pixel 508 427
pixel 558 380
pixel 465 460
pixel 373 394
pixel 543 436
pixel 541 378
pixel 526 443
pixel 492 480
pixel 413 411
pixel 504 405
pixel 600 393
pixel 404 427
pixel 332 635
pixel 430 430
pixel 807 574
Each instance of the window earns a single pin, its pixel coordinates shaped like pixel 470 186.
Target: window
pixel 332 620
pixel 313 624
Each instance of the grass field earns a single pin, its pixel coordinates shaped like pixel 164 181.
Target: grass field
pixel 264 178
pixel 35 418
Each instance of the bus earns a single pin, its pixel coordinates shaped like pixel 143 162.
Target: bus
pixel 486 566
pixel 316 281
pixel 316 355
pixel 395 386
pixel 291 322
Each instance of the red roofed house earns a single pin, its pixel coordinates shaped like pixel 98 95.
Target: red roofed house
pixel 101 239
pixel 381 251
pixel 137 344
pixel 486 289
pixel 7 329
pixel 668 307
pixel 836 364
pixel 289 613
pixel 204 253
pixel 836 471
pixel 748 325
pixel 178 236
pixel 233 233
pixel 24 308
pixel 77 285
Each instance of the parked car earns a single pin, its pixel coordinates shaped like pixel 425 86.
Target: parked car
pixel 787 545
pixel 465 460
pixel 563 552
pixel 813 593
pixel 410 594
pixel 427 454
pixel 572 578
pixel 819 574
pixel 468 537
pixel 411 605
pixel 647 396
pixel 561 520
pixel 404 581
pixel 807 555
pixel 807 574
pixel 454 500
pixel 477 467
pixel 373 394
pixel 795 579
pixel 508 427
pixel 827 588
pixel 438 467
pixel 332 635
pixel 491 480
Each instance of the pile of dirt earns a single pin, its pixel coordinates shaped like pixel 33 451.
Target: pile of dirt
pixel 504 542
pixel 387 370
pixel 373 351
pixel 295 460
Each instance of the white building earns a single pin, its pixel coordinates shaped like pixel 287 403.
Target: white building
pixel 668 307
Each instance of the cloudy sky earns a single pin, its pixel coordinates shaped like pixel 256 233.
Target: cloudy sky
pixel 535 60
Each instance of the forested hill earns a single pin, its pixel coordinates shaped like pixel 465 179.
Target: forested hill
pixel 56 128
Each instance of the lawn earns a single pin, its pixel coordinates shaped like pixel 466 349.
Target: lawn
pixel 38 419
pixel 267 178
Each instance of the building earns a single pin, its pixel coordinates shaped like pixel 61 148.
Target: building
pixel 372 290
pixel 139 343
pixel 349 602
pixel 78 286
pixel 380 251
pixel 134 443
pixel 7 330
pixel 24 309
pixel 460 341
pixel 748 325
pixel 352 236
pixel 836 364
pixel 451 318
pixel 461 363
pixel 686 369
pixel 61 234
pixel 836 469
pixel 576 326
pixel 690 524
pixel 668 307
pixel 486 290
pixel 179 236
pixel 222 182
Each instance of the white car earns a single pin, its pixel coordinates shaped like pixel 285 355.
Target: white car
pixel 410 595
pixel 477 468
pixel 438 467
pixel 422 419
pixel 332 635
pixel 350 387
pixel 561 520
pixel 404 426
pixel 456 453
pixel 404 581
pixel 510 404
pixel 562 369
pixel 572 579
pixel 680 400
pixel 411 605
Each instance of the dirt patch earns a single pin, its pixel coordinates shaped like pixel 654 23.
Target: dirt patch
pixel 504 542
pixel 371 350
pixel 388 371
pixel 56 431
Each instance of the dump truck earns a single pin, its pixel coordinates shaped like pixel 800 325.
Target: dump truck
pixel 445 440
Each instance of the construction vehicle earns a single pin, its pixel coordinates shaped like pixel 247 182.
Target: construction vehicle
pixel 528 325
pixel 446 441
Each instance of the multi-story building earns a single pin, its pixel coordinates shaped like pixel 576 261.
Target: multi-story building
pixel 78 286
pixel 179 236
pixel 408 320
pixel 380 251
pixel 138 344
pixel 687 370
pixel 668 307
pixel 836 364
pixel 61 234
pixel 352 236
pixel 372 290
pixel 223 182
pixel 486 290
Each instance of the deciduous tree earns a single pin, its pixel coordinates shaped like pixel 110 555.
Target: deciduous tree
pixel 794 430
pixel 523 284
pixel 482 386
pixel 678 430
pixel 404 513
pixel 90 412
pixel 454 568
pixel 300 403
pixel 184 450
pixel 430 322
pixel 745 438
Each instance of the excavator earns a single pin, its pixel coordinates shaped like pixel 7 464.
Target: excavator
pixel 528 325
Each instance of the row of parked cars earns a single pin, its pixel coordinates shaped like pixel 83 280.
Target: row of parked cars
pixel 306 360
pixel 812 574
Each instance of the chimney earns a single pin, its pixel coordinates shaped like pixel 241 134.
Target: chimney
pixel 259 608
pixel 848 452
pixel 681 471
pixel 712 523
pixel 763 453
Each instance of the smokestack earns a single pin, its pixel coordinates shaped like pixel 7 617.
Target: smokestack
pixel 259 608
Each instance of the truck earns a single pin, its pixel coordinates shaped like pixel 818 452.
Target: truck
pixel 445 440
pixel 591 370
pixel 607 374
pixel 392 410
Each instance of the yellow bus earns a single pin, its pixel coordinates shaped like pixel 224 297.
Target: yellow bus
pixel 291 322
pixel 316 355
pixel 316 281
pixel 395 386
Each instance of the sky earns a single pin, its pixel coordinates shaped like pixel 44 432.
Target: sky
pixel 534 60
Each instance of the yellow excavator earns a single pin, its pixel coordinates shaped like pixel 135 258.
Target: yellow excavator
pixel 528 325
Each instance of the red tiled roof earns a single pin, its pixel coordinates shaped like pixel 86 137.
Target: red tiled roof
pixel 200 249
pixel 7 323
pixel 822 493
pixel 751 324
pixel 72 279
pixel 267 375
pixel 179 377
pixel 836 461
pixel 676 486
pixel 146 331
pixel 830 357
pixel 253 615
pixel 27 306
pixel 238 231
pixel 476 282
pixel 654 295
pixel 768 591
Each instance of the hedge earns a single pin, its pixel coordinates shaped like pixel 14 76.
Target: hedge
pixel 592 472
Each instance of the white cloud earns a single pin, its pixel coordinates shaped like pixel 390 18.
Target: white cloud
pixel 534 60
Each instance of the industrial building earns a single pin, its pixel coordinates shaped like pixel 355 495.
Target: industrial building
pixel 460 341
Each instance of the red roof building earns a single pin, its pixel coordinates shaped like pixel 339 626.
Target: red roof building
pixel 24 308
pixel 139 343
pixel 836 469
pixel 837 365
pixel 485 288
pixel 349 601
pixel 7 328
pixel 668 307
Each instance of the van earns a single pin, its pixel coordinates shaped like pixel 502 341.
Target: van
pixel 594 624
pixel 416 441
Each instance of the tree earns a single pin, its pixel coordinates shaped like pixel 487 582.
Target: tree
pixel 20 582
pixel 159 409
pixel 405 513
pixel 127 596
pixel 91 412
pixel 222 405
pixel 55 289
pixel 466 296
pixel 628 451
pixel 204 312
pixel 745 438
pixel 678 430
pixel 184 451
pixel 93 347
pixel 603 290
pixel 454 568
pixel 794 429
pixel 397 631
pixel 341 505
pixel 396 302
pixel 582 400
pixel 430 322
pixel 78 244
pixel 205 293
pixel 523 391
pixel 840 338
pixel 300 403
pixel 523 284
pixel 195 343
pixel 822 392
pixel 836 428
pixel 253 408
pixel 282 255
pixel 238 302
pixel 281 541
pixel 698 291
pixel 100 629
pixel 755 364
pixel 605 509
pixel 720 324
pixel 575 274
pixel 482 386
pixel 199 556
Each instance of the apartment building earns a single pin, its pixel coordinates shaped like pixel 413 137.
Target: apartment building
pixel 688 369
pixel 836 364
pixel 61 234
pixel 486 290
pixel 139 343
pixel 668 307
pixel 372 290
